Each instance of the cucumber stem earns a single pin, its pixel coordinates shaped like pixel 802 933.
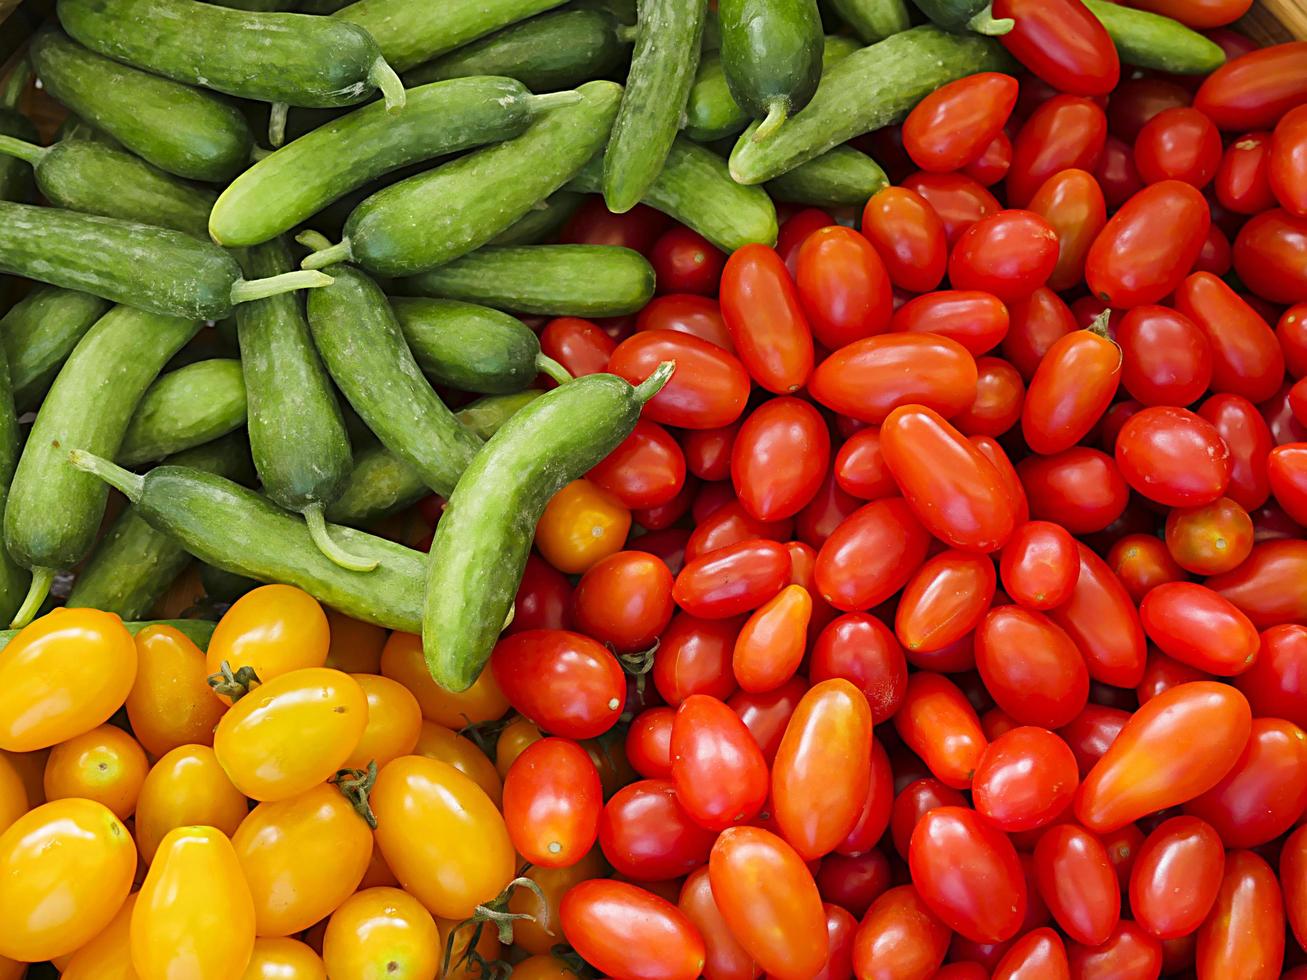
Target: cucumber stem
pixel 626 33
pixel 554 100
pixel 22 149
pixel 130 485
pixel 777 113
pixel 653 384
pixel 327 255
pixel 42 579
pixel 315 241
pixel 245 290
pixel 986 23
pixel 552 369
pixel 277 123
pixel 392 86
pixel 338 555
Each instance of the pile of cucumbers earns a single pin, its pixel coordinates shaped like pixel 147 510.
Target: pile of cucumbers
pixel 273 233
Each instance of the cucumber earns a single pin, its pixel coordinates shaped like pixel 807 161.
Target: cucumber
pixel 177 128
pixel 556 50
pixel 963 16
pixel 542 222
pixel 297 59
pixel 38 335
pixel 322 6
pixel 550 280
pixel 873 20
pixel 841 177
pixel 871 88
pixel 696 189
pixel 15 175
pixel 185 408
pixel 771 57
pixel 14 577
pixel 97 178
pixel 264 5
pixel 666 57
pixel 435 217
pixel 1148 40
pixel 224 586
pixel 225 525
pixel 484 534
pixel 413 31
pixel 154 269
pixel 75 128
pixel 198 631
pixel 133 565
pixel 364 350
pixel 53 510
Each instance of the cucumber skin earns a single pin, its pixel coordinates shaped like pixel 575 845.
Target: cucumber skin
pixel 438 216
pixel 1148 40
pixel 198 631
pixel 38 335
pixel 485 532
pixel 88 407
pixel 771 52
pixel 543 221
pixel 16 175
pixel 179 129
pixel 468 347
pixel 185 408
pixel 413 31
pixel 550 280
pixel 298 59
pixel 875 20
pixel 13 577
pixel 364 351
pixel 663 66
pixel 842 177
pixel 901 70
pixel 297 181
pixel 952 15
pixel 297 432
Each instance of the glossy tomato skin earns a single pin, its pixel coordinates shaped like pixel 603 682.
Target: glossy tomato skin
pixel 1243 183
pixel 1072 387
pixel 868 379
pixel 1039 565
pixel 770 645
pixel 647 835
pixel 1255 90
pixel 909 237
pixel 1176 876
pixel 1210 540
pixel 1009 254
pixel 685 262
pixel 543 600
pixel 1077 882
pixel 1293 879
pixel 105 764
pixel 170 703
pixel 186 787
pixel 913 802
pixel 853 882
pixel 724 957
pixel 780 455
pixel 1072 203
pixel 709 388
pixel 1268 256
pixel 647 469
pixel 594 224
pixel 625 599
pixel 861 649
pixel 1062 43
pixel 860 467
pixel 1065 133
pixel 718 769
pixel 952 126
pixel 1246 358
pixel 944 600
pixel 1178 144
pixel 694 657
pixel 379 930
pixel 1039 953
pixel 1137 100
pixel 871 555
pixel 1025 780
pixel 1275 684
pixel 1036 323
pixel 958 200
pixel 1244 933
pixel 732 580
pixel 698 316
pixel 1166 358
pixel 1000 393
pixel 1246 435
pixel 1101 620
pixel 900 937
pixel 1031 667
pixel 1265 586
pixel 874 818
pixel 577 344
pixel 976 319
pixel 567 683
pixel 1128 952
pixel 938 723
pixel 1196 626
pixel 1092 732
pixel 552 799
pixel 762 312
pixel 731 524
pixel 1287 471
pixel 630 933
pixel 767 714
pixel 1174 457
pixel 843 286
pixel 795 230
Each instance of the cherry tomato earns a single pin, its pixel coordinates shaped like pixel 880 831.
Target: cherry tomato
pixel 975 319
pixel 567 683
pixel 1064 133
pixel 763 314
pixel 1026 779
pixel 870 378
pixel 724 957
pixel 541 933
pixel 1128 952
pixel 1178 144
pixel 779 458
pixel 108 956
pixel 402 660
pixel 1291 331
pixel 1265 586
pixel 853 882
pixel 1036 323
pixel 1009 254
pixel 552 800
pixel 581 525
pixel 1166 358
pixel 284 959
pixel 877 808
pixel 871 555
pixel 1176 876
pixel 1137 100
pixel 717 767
pixel 697 316
pixel 1293 878
pixel 382 932
pixel 1039 565
pixel 544 598
pixel 708 389
pixel 1174 457
pixel 1163 673
pixel 767 714
pixel 732 580
pixel 170 703
pixel 1244 933
pixel 1246 435
pixel 824 513
pixel 1047 683
pixel 770 644
pixel 953 125
pixel 394 722
pixel 646 469
pixel 909 237
pixel 1091 732
pixel 646 834
pixel 625 600
pixel 1101 620
pixel 1255 90
pixel 899 937
pixel 579 345
pixel 1062 43
pixel 1274 685
pixel 1080 489
pixel 794 231
pixel 1196 626
pixel 731 524
pixel 957 199
pixel 993 163
pixel 1078 883
pixel 686 262
pixel 1243 178
pixel 1071 203
pixel 445 745
pixel 937 722
pixel 1268 256
pixel 915 800
pixel 860 467
pixel 843 287
pixel 1072 387
pixel 649 743
pixel 274 629
pixel 1116 173
pixel 1000 394
pixel 594 224
pixel 631 934
pixel 105 765
pixel 1246 359
pixel 694 657
pixel 944 600
pixel 186 787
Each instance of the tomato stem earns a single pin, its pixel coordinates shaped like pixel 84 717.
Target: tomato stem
pixel 356 785
pixel 234 685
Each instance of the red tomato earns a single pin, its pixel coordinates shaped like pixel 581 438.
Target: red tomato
pixel 725 958
pixel 698 316
pixel 645 470
pixel 909 236
pixel 717 768
pixel 1291 331
pixel 1269 256
pixel 770 646
pixel 544 599
pixel 1293 877
pixel 1196 626
pixel 874 817
pixel 1009 254
pixel 629 933
pixel 1165 358
pixel 944 600
pixel 1116 173
pixel 647 835
pixel 870 378
pixel 1036 323
pixel 899 938
pixel 1267 587
pixel 1178 144
pixel 958 200
pixel 708 451
pixel 840 928
pixel 1287 470
pixel 1007 474
pixel 779 458
pixel 1072 203
pixel 709 388
pixel 1244 934
pixel 854 882
pixel 1064 133
pixel 686 262
pixel 1031 667
pixel 768 713
pixel 660 520
pixel 915 800
pixel 1217 255
pixel 578 345
pixel 1174 457
pixel 1040 953
pixel 1062 43
pixel 952 126
pixel 1078 883
pixel 1276 684
pixel 1243 180
pixel 732 580
pixel 1128 952
pixel 795 230
pixel 843 287
pixel 594 224
pixel 860 467
pixel 1246 358
pixel 862 649
pixel 1176 876
pixel 1000 394
pixel 552 800
pixel 871 555
pixel 730 524
pixel 1072 387
pixel 1091 733
pixel 1255 90
pixel 1142 563
pixel 976 320
pixel 1245 433
pixel 694 657
pixel 767 325
pixel 568 684
pixel 649 743
pixel 1101 620
pixel 993 163
pixel 938 723
pixel 824 513
pixel 625 599
pixel 1039 565
pixel 1026 779
pixel 1137 100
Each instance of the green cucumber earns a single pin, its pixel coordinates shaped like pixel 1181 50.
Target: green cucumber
pixel 322 6
pixel 437 216
pixel 198 631
pixel 133 565
pixel 551 280
pixel 873 20
pixel 1148 40
pixel 871 88
pixel 557 50
pixel 771 57
pixel 38 335
pixel 696 189
pixel 542 222
pixel 224 586
pixel 294 183
pixel 225 525
pixel 666 57
pixel 264 5
pixel 53 510
pixel 296 59
pixel 15 175
pixel 841 177
pixel 14 578
pixel 965 16
pixel 185 408
pixel 175 127
pixel 484 534
pixel 155 269
pixel 85 175
pixel 365 353
pixel 75 128
pixel 413 31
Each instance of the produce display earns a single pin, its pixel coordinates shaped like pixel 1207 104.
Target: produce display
pixel 653 489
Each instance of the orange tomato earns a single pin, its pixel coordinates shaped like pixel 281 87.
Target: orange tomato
pixel 543 931
pixel 186 787
pixel 109 955
pixel 487 948
pixel 514 738
pixel 382 934
pixel 275 958
pixel 291 733
pixel 63 675
pixel 105 764
pixel 441 835
pixel 171 703
pixel 355 645
pixel 65 869
pixel 581 525
pixel 301 858
pixel 394 722
pixel 402 661
pixel 13 794
pixel 446 745
pixel 274 629
pixel 12 969
pixel 543 966
pixel 193 916
pixel 30 767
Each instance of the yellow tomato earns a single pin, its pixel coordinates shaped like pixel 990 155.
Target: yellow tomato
pixel 274 629
pixel 63 675
pixel 381 934
pixel 65 869
pixel 515 738
pixel 302 857
pixel 171 703
pixel 194 917
pixel 402 661
pixel 488 948
pixel 581 525
pixel 13 794
pixel 109 955
pixel 275 958
pixel 186 787
pixel 441 836
pixel 355 645
pixel 105 764
pixel 446 745
pixel 394 722
pixel 12 969
pixel 291 733
pixel 543 966
pixel 30 767
pixel 544 930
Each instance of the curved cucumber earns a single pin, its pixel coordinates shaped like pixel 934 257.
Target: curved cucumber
pixel 98 178
pixel 552 280
pixel 413 31
pixel 962 16
pixel 1148 40
pixel 185 408
pixel 364 350
pixel 871 88
pixel 666 56
pixel 771 56
pixel 294 183
pixel 435 217
pixel 841 177
pixel 198 631
pixel 14 578
pixel 484 535
pixel 297 59
pixel 873 20
pixel 38 335
pixel 15 175
pixel 177 128
pixel 543 221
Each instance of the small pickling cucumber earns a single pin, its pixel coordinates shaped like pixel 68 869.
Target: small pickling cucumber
pixel 873 20
pixel 185 408
pixel 542 222
pixel 771 57
pixel 14 576
pixel 38 335
pixel 198 631
pixel 1148 40
pixel 842 177
pixel 15 175
pixel 962 16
